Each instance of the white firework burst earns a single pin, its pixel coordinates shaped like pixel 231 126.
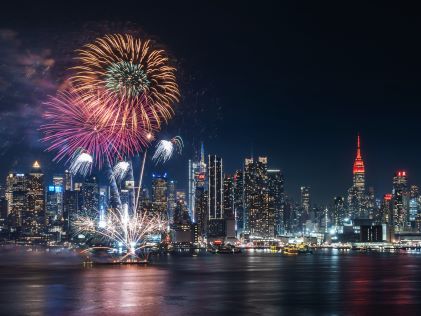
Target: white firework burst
pixel 165 149
pixel 81 163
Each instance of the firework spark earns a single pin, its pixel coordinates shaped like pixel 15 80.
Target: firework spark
pixel 119 228
pixel 120 170
pixel 130 74
pixel 165 149
pixel 81 163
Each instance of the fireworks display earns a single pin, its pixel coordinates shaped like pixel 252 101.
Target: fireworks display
pixel 114 102
pixel 129 231
pixel 81 163
pixel 165 149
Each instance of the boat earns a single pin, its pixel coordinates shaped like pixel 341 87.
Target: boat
pixel 290 249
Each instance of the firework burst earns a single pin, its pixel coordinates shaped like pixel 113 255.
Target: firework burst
pixel 120 170
pixel 165 149
pixel 81 163
pixel 72 125
pixel 130 74
pixel 130 231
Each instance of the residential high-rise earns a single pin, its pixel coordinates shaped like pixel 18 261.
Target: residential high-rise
pixel 33 217
pixel 275 183
pixel 159 194
pixel 400 201
pixel 259 221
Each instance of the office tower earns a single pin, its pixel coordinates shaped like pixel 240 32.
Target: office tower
pixel 197 178
pixel 159 194
pixel 68 181
pixel 53 204
pixel 16 198
pixel 71 208
pixel 228 196
pixel 33 216
pixel 400 201
pixel 356 194
pixel 201 212
pixel 338 211
pixel 216 223
pixel 90 197
pixel 275 183
pixel 414 206
pixel 215 188
pixel 259 221
pixel 305 199
pixel 171 200
pixel 239 201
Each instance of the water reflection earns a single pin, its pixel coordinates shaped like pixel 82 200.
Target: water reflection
pixel 253 283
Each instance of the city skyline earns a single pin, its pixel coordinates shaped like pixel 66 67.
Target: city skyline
pixel 307 90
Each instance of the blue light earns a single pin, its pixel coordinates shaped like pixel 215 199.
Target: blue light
pixel 51 188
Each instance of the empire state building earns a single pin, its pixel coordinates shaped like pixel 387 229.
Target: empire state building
pixel 359 170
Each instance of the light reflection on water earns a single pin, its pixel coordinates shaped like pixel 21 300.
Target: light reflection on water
pixel 253 283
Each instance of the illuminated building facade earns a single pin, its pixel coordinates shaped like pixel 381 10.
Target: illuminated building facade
pixel 356 194
pixel 275 184
pixel 159 194
pixel 338 211
pixel 197 179
pixel 16 198
pixel 400 201
pixel 90 196
pixel 239 200
pixel 259 219
pixel 33 217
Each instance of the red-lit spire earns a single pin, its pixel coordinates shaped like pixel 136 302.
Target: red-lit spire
pixel 358 163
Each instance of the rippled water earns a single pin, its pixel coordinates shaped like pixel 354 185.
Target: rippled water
pixel 251 283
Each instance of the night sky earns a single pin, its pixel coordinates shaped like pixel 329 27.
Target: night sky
pixel 292 81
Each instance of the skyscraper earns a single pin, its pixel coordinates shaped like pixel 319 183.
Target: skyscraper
pixel 239 200
pixel 216 222
pixel 228 196
pixel 33 220
pixel 215 188
pixel 90 196
pixel 400 201
pixel 159 194
pixel 197 178
pixel 171 200
pixel 68 181
pixel 356 194
pixel 275 184
pixel 338 211
pixel 16 198
pixel 259 221
pixel 305 199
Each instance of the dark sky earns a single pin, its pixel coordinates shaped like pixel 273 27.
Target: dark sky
pixel 286 79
